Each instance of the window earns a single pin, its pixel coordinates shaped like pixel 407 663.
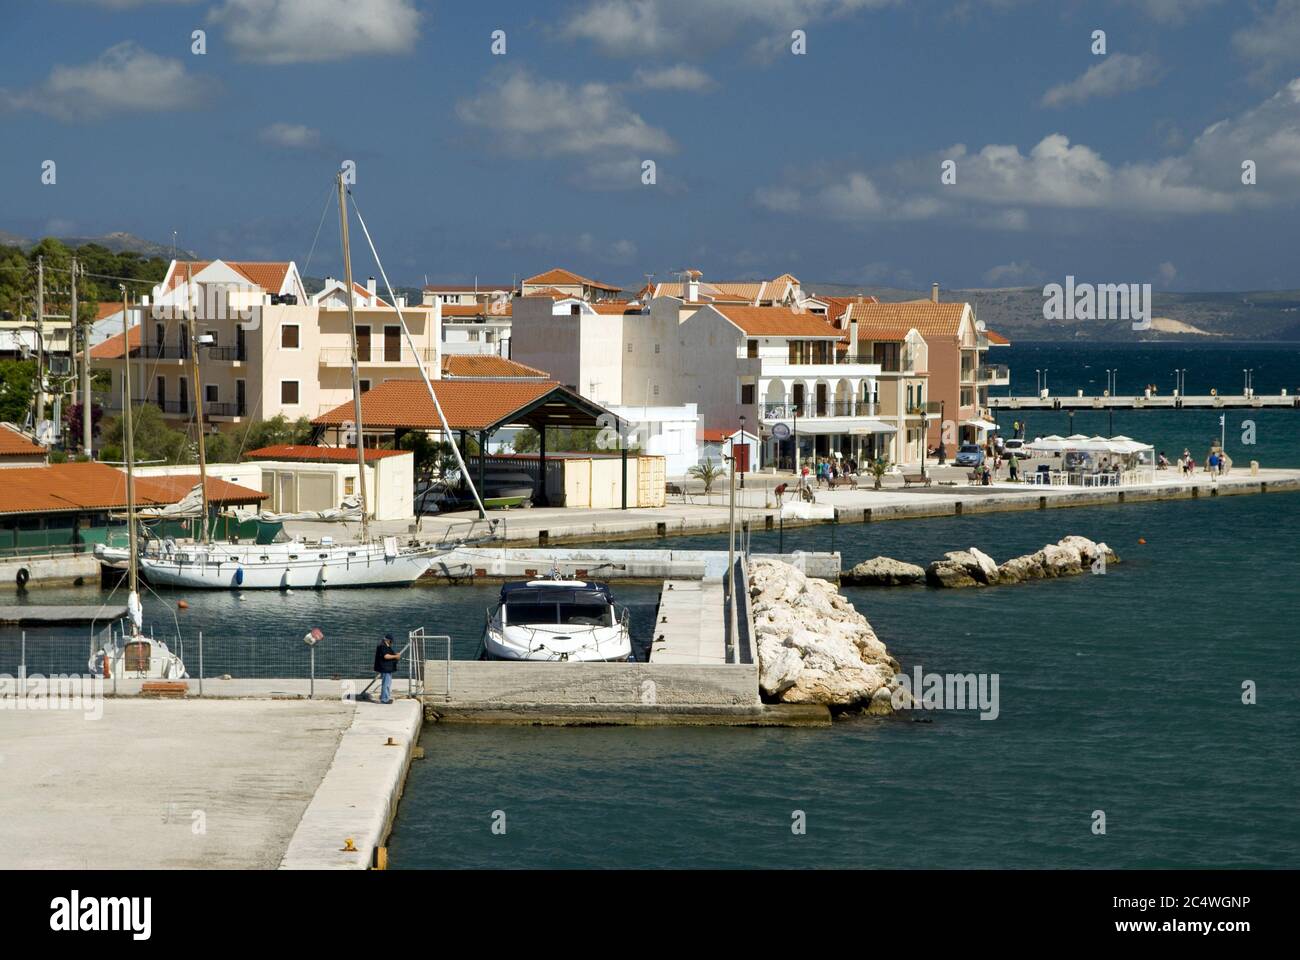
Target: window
pixel 629 348
pixel 162 392
pixel 288 392
pixel 363 343
pixel 751 349
pixel 392 344
pixel 746 393
pixel 656 348
pixel 183 395
pixel 656 393
pixel 349 486
pixel 365 385
pixel 210 393
pixel 241 397
pixel 159 333
pixel 289 336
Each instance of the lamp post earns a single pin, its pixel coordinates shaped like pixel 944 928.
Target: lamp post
pixel 744 441
pixel 1038 382
pixel 1109 392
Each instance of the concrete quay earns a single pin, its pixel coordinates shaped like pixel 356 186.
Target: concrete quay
pixel 506 562
pixel 126 783
pixel 948 495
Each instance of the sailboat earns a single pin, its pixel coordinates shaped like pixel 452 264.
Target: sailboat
pixel 297 563
pixel 131 653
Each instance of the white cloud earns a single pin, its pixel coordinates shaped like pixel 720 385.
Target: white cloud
pixel 1117 73
pixel 293 136
pixel 680 76
pixel 1273 39
pixel 314 31
pixel 654 27
pixel 1058 174
pixel 526 115
pixel 124 78
pixel 1172 11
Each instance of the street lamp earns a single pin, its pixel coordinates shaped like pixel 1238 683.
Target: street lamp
pixel 1108 390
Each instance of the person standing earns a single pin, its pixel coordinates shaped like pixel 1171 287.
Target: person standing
pixel 386 665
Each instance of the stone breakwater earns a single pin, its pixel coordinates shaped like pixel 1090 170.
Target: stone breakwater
pixel 974 568
pixel 813 646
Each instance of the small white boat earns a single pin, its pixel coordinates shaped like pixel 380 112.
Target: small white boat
pixel 130 654
pixel 557 620
pixel 294 564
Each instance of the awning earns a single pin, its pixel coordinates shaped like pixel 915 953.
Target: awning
pixel 852 426
pixel 980 424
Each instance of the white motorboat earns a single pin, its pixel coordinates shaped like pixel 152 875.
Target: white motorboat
pixel 130 654
pixel 294 564
pixel 557 620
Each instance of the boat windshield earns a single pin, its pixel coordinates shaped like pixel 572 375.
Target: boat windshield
pixel 578 613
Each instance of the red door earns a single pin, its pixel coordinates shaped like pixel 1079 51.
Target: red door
pixel 742 457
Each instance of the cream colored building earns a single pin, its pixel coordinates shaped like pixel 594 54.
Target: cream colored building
pixel 270 353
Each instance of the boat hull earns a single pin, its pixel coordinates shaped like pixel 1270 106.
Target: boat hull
pixel 300 567
pixel 612 646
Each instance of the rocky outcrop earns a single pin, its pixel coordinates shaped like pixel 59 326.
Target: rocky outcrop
pixel 1067 557
pixel 963 568
pixel 813 646
pixel 973 568
pixel 883 572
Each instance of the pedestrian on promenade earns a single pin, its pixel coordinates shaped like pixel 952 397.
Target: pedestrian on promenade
pixel 386 665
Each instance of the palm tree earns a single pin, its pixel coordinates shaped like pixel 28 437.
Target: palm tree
pixel 706 472
pixel 879 467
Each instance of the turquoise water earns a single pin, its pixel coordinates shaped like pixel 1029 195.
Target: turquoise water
pixel 1119 693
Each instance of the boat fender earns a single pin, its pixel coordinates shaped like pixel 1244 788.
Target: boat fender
pixel 22 577
pixel 239 576
pixel 324 575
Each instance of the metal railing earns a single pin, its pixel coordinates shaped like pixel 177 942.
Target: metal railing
pixel 993 373
pixel 788 409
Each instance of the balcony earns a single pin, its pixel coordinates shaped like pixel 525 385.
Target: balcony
pixel 342 357
pixel 996 375
pixel 224 409
pixel 790 410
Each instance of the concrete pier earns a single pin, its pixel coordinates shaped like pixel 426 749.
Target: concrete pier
pixel 1156 402
pixel 690 627
pixel 127 783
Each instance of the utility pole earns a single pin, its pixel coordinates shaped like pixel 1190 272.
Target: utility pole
pixel 40 340
pixel 87 421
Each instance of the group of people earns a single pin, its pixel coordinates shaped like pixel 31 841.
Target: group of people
pixel 1217 463
pixel 824 470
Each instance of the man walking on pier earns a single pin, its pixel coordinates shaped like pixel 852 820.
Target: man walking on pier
pixel 386 665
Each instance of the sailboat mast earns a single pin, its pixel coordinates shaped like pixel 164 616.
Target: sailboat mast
pixel 198 403
pixel 129 439
pixel 356 381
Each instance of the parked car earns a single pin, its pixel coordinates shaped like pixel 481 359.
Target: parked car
pixel 969 455
pixel 1017 449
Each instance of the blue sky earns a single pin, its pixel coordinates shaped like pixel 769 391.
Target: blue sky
pixel 1117 168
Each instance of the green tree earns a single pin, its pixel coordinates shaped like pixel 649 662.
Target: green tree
pixel 708 473
pixel 17 378
pixel 278 430
pixel 154 440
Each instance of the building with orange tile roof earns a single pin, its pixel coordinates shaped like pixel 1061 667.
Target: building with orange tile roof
pixel 272 351
pixel 567 283
pixel 18 450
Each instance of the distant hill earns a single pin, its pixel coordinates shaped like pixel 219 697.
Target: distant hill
pixel 1017 312
pixel 117 242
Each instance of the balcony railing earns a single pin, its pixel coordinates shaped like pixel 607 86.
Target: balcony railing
pixel 223 409
pixel 342 356
pixel 235 353
pixel 995 373
pixel 789 410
